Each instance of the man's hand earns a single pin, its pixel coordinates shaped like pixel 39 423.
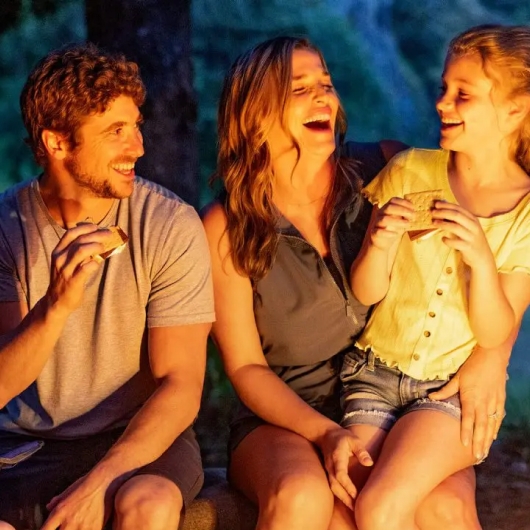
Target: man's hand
pixel 72 264
pixel 85 505
pixel 338 447
pixel 481 381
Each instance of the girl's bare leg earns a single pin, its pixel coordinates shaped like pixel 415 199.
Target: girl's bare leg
pixel 452 504
pixel 420 452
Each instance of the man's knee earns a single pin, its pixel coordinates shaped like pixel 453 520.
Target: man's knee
pixel 149 502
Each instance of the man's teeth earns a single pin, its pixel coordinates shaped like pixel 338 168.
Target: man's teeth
pixel 318 117
pixel 123 167
pixel 447 121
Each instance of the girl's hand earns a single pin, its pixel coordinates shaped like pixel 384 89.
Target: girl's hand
pixel 463 233
pixel 391 222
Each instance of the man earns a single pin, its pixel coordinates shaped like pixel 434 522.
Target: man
pixel 101 360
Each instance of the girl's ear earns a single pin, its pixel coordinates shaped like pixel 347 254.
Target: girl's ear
pixel 55 144
pixel 518 110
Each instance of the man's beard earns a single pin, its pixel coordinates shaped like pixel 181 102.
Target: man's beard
pixel 101 189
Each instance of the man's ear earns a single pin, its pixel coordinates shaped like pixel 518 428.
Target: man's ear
pixel 55 144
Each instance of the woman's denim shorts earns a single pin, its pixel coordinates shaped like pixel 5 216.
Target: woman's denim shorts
pixel 376 394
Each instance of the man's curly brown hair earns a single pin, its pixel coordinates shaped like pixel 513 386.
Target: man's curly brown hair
pixel 70 84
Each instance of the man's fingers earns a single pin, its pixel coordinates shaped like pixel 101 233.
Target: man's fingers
pixel 73 233
pixel 84 245
pixel 77 256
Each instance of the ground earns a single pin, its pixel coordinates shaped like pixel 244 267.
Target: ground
pixel 503 485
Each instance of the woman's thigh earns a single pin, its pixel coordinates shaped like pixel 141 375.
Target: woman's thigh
pixel 282 473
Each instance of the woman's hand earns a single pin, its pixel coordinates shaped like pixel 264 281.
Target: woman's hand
pixel 481 382
pixel 390 223
pixel 463 233
pixel 338 446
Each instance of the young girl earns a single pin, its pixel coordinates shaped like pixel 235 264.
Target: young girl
pixel 465 283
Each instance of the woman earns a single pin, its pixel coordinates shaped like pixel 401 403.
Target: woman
pixel 289 225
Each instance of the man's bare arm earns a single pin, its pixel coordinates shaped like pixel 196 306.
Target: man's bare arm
pixel 178 362
pixel 27 338
pixel 26 342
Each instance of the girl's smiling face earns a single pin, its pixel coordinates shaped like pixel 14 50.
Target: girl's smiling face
pixel 473 111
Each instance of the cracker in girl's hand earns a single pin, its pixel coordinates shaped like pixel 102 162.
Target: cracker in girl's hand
pixel 423 202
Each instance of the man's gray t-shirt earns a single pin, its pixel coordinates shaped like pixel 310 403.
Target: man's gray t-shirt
pixel 98 374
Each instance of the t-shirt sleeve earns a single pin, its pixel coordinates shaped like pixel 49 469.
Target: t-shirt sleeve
pixel 181 285
pixel 10 287
pixel 390 182
pixel 518 259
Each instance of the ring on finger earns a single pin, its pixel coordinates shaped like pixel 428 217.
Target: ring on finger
pixel 493 416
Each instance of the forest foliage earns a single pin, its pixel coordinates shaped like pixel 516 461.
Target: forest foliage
pixel 385 56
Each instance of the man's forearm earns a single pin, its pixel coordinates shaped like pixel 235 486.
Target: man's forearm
pixel 168 412
pixel 25 350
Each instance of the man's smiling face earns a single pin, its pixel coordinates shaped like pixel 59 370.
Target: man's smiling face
pixel 108 145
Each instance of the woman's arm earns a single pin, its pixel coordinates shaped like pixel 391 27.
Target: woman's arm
pixel 481 384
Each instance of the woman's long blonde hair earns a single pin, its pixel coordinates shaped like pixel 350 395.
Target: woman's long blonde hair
pixel 506 50
pixel 256 91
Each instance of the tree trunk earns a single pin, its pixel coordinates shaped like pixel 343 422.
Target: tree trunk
pixel 157 35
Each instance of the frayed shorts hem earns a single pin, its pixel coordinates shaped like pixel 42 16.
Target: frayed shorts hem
pixel 385 420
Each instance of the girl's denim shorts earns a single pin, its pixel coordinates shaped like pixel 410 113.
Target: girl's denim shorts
pixel 376 394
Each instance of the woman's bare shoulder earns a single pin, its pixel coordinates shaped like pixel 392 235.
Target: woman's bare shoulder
pixel 213 216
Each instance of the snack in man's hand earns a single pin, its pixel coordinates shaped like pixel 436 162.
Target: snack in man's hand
pixel 423 202
pixel 114 244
